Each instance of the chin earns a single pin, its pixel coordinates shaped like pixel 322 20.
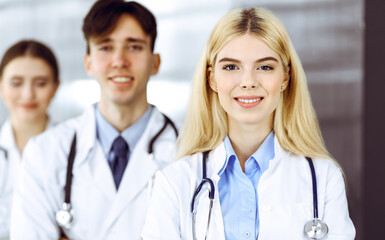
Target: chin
pixel 31 116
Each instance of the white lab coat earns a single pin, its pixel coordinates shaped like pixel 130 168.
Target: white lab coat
pixel 285 199
pixel 9 172
pixel 100 211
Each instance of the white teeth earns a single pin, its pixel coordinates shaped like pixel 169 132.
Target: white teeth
pixel 249 100
pixel 121 79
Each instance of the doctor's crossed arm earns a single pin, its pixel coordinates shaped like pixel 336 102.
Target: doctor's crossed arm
pixel 29 78
pixel 252 161
pixel 88 178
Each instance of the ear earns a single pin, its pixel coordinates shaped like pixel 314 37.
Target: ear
pixel 155 64
pixel 57 86
pixel 286 79
pixel 87 64
pixel 210 79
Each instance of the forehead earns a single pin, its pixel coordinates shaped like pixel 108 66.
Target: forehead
pixel 27 64
pixel 127 27
pixel 246 47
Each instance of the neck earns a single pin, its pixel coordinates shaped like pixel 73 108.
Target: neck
pixel 246 139
pixel 24 130
pixel 122 116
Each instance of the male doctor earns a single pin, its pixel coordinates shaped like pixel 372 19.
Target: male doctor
pixel 112 162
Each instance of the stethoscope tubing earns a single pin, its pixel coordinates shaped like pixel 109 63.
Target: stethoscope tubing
pixel 71 159
pixel 314 184
pixel 206 180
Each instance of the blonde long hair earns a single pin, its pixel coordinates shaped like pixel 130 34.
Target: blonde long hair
pixel 295 123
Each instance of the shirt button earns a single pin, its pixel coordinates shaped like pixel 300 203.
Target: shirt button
pixel 247 234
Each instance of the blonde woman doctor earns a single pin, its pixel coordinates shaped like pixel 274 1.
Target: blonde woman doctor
pixel 29 78
pixel 249 129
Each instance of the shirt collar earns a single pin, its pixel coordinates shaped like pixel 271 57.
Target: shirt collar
pixel 106 133
pixel 262 156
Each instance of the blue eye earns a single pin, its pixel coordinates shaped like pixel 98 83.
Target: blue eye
pixel 230 67
pixel 265 68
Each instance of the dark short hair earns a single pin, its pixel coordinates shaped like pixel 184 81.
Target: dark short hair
pixel 103 16
pixel 31 48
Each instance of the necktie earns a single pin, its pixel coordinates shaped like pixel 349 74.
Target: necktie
pixel 119 162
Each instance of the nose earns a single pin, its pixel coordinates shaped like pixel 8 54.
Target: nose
pixel 248 80
pixel 28 91
pixel 120 59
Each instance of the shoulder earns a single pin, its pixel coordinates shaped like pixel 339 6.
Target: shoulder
pixel 182 171
pixel 60 133
pixel 325 169
pixel 158 121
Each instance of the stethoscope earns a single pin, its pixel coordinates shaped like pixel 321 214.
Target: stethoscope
pixel 4 151
pixel 313 229
pixel 65 216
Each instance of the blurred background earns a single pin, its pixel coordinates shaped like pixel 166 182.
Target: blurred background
pixel 328 36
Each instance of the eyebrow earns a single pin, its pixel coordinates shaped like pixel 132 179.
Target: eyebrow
pixel 226 59
pixel 129 39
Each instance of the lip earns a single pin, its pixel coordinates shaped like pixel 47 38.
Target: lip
pixel 29 106
pixel 248 101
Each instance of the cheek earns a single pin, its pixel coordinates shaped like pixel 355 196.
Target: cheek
pixel 10 94
pixel 45 95
pixel 99 64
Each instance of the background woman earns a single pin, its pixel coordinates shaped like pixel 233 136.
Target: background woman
pixel 251 112
pixel 29 78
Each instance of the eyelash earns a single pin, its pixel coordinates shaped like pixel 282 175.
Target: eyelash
pixel 227 67
pixel 263 68
pixel 105 48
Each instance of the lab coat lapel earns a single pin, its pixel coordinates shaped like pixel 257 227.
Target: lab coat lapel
pixel 140 169
pixel 101 173
pixel 135 179
pixel 215 161
pixel 7 140
pixel 90 152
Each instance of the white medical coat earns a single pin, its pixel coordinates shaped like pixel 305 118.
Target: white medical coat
pixel 9 172
pixel 100 212
pixel 285 199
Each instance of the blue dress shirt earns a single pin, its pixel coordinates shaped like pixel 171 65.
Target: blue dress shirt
pixel 106 133
pixel 238 190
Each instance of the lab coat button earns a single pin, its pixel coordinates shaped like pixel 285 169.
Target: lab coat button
pixel 247 234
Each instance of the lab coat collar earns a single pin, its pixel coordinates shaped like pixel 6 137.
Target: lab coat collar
pixel 7 138
pixel 86 135
pixel 216 160
pixel 219 154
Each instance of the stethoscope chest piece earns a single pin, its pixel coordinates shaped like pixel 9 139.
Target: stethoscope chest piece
pixel 64 217
pixel 316 229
